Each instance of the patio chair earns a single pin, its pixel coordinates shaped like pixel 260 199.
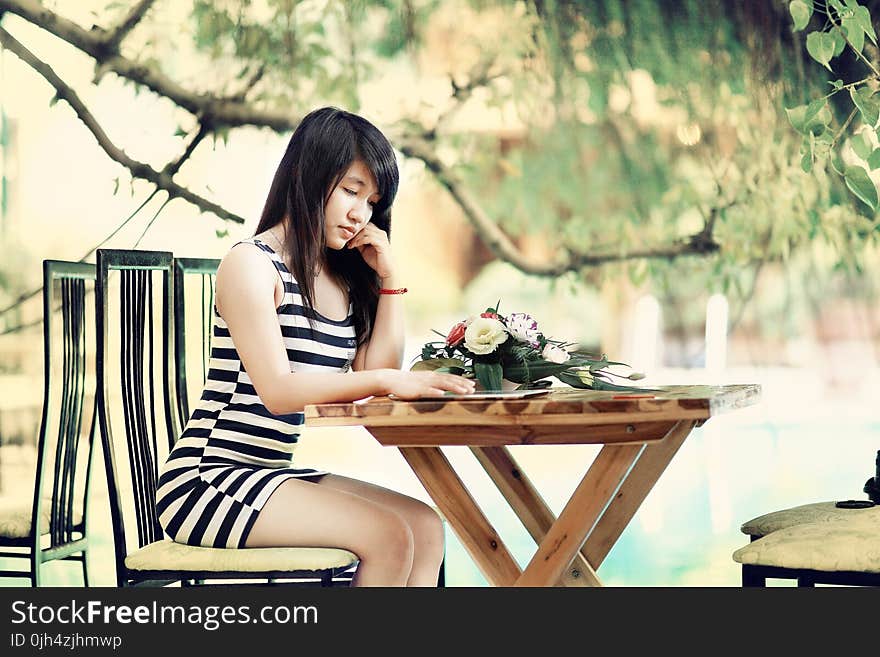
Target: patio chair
pixel 842 550
pixel 137 418
pixel 52 524
pixel 193 281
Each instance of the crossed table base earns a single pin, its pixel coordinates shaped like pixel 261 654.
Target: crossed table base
pixel 640 436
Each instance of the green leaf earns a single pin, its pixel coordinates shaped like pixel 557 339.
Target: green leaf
pixel 837 85
pixel 221 233
pixel 180 132
pixel 489 375
pixel 861 185
pixel 854 33
pixel 115 185
pixel 837 163
pixel 839 42
pixel 821 47
pixel 575 381
pixel 803 117
pixel 433 364
pixel 863 18
pixel 800 13
pixel 868 106
pixel 861 145
pixel 534 370
pixel 874 159
pixel 807 163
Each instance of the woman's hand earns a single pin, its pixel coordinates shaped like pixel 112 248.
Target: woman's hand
pixel 410 385
pixel 375 249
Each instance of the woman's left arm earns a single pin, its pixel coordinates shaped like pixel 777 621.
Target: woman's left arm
pixel 385 347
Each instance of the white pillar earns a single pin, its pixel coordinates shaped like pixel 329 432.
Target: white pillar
pixel 646 335
pixel 716 335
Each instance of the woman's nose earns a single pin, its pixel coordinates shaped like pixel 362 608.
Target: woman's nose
pixel 360 212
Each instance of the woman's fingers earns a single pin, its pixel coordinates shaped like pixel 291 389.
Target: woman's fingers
pixel 458 383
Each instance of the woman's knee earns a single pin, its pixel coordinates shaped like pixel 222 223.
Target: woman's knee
pixel 427 527
pixel 392 539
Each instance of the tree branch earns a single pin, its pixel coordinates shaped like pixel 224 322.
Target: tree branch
pixel 117 34
pixel 478 77
pixel 174 166
pixel 162 180
pixel 227 112
pixel 504 249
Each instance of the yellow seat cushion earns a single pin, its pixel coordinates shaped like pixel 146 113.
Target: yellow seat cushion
pixel 818 512
pixel 15 517
pixel 848 544
pixel 168 555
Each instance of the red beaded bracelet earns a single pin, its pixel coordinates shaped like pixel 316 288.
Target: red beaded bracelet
pixel 399 290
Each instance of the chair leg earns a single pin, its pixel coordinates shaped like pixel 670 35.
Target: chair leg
pixel 85 567
pixel 752 577
pixel 35 571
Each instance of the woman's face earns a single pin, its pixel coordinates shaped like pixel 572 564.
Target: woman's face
pixel 350 205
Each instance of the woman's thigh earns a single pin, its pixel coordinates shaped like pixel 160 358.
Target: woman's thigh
pixel 414 511
pixel 302 513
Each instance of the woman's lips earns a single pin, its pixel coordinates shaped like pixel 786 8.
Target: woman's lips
pixel 348 232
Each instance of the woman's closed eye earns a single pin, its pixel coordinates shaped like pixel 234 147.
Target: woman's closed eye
pixel 352 192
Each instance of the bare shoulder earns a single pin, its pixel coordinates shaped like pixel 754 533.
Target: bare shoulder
pixel 245 271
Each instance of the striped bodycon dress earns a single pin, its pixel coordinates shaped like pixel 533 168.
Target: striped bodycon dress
pixel 233 452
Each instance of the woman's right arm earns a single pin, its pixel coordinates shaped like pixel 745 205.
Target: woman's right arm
pixel 245 298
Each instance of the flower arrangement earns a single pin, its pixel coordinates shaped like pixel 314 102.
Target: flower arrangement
pixel 494 348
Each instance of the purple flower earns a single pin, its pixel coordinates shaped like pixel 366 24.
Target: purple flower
pixel 523 327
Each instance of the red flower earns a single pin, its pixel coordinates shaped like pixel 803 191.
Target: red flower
pixel 491 315
pixel 456 334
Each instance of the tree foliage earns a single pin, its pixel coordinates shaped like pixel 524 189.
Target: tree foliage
pixel 632 132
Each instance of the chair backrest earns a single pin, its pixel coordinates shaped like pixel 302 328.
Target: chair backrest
pixel 64 450
pixel 135 388
pixel 193 289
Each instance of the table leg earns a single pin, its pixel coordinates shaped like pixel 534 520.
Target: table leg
pixel 633 492
pixel 461 511
pixel 530 507
pixel 589 500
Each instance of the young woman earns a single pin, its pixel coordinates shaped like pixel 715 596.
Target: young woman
pixel 313 294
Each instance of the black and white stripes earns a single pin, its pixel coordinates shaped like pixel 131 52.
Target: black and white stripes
pixel 233 452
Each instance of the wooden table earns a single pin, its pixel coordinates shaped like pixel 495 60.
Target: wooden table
pixel 640 435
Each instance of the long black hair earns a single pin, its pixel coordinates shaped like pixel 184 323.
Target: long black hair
pixel 323 146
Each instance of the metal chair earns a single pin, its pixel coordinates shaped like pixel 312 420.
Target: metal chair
pixel 54 526
pixel 138 419
pixel 200 273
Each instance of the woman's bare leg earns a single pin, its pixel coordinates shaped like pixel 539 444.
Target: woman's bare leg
pixel 423 521
pixel 302 513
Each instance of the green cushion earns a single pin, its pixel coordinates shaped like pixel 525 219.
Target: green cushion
pixel 799 515
pixel 15 517
pixel 845 544
pixel 168 555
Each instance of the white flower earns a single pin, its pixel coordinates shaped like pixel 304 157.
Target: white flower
pixel 554 354
pixel 484 334
pixel 523 327
pixel 467 322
